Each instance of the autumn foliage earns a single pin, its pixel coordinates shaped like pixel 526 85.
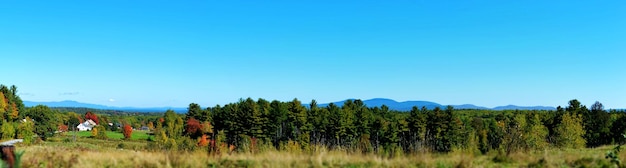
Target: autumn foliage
pixel 127 131
pixel 94 132
pixel 203 141
pixel 63 128
pixel 193 127
pixel 91 116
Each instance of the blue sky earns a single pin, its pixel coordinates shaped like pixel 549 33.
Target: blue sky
pixel 166 53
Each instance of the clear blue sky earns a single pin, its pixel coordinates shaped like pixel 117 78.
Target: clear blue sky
pixel 172 53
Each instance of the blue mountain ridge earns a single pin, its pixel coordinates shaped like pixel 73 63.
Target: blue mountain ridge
pixel 376 102
pixel 70 103
pixel 408 105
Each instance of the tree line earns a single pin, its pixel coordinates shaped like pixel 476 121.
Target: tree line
pixel 17 121
pixel 249 125
pixel 255 125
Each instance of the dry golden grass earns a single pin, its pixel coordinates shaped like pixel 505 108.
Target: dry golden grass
pixel 86 155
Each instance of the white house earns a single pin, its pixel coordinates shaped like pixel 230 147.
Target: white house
pixel 86 126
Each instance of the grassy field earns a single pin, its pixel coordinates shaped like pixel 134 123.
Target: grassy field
pixel 89 152
pixel 136 135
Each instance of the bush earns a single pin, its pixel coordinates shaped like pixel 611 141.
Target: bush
pixel 8 130
pixel 26 131
pixel 187 144
pixel 99 132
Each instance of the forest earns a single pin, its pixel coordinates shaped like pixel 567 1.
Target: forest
pixel 256 126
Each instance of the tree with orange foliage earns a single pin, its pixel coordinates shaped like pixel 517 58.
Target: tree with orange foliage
pixel 127 131
pixel 203 141
pixel 14 111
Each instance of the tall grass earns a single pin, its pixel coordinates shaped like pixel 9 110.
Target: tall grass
pixel 108 153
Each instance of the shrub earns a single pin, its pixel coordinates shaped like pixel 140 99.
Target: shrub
pixel 186 144
pixel 94 132
pixel 613 155
pixel 8 131
pixel 63 128
pixel 26 131
pixel 99 132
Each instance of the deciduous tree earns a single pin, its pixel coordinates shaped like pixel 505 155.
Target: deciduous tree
pixel 26 131
pixel 571 131
pixel 91 116
pixel 45 122
pixel 127 131
pixel 193 128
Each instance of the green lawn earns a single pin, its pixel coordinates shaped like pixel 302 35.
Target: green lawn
pixel 136 135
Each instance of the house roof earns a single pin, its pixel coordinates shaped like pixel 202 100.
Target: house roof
pixel 91 122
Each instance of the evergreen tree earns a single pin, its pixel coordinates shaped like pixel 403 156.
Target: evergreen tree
pixel 278 122
pixel 298 117
pixel 597 126
pixel 194 111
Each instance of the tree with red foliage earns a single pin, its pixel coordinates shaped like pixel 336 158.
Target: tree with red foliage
pixel 63 128
pixel 92 116
pixel 127 131
pixel 193 128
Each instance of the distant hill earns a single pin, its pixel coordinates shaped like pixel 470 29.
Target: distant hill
pixel 392 104
pixel 513 107
pixel 469 106
pixel 408 105
pixel 69 103
pixel 377 102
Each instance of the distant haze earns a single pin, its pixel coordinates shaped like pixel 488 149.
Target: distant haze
pixel 377 102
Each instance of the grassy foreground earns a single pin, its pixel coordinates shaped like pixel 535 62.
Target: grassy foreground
pixel 87 152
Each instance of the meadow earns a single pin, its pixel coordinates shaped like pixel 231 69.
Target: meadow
pixel 90 152
pixel 136 135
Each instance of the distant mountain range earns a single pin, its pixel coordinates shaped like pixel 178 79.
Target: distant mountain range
pixel 377 102
pixel 408 105
pixel 70 103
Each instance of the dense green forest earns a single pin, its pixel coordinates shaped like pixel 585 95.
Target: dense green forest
pixel 255 125
pixel 356 128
